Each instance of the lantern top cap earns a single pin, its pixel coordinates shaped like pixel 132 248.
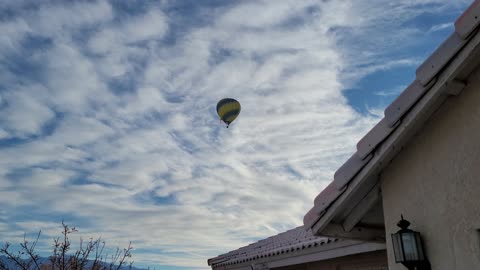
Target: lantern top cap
pixel 403 223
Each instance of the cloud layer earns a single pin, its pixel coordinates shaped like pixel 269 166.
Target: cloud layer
pixel 107 114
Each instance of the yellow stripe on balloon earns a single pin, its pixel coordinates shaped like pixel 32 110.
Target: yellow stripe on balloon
pixel 229 107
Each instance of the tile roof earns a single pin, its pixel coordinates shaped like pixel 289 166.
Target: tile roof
pixel 442 74
pixel 289 243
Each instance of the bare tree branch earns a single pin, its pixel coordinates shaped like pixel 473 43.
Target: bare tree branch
pixel 27 257
pixel 30 250
pixel 15 258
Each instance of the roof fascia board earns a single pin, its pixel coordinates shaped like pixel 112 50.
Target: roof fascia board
pixel 330 254
pixel 404 102
pixel 327 196
pixel 349 169
pixel 355 199
pixel 369 179
pixel 233 267
pixel 409 124
pixel 362 208
pixel 357 233
pixel 341 178
pixel 374 137
pixel 260 266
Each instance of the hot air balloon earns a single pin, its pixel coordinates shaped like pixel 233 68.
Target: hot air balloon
pixel 228 109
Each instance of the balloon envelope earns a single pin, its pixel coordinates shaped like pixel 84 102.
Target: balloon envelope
pixel 228 109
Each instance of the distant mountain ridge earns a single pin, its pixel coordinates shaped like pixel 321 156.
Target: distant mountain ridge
pixel 10 265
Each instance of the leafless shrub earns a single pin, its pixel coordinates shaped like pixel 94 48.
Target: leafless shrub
pixel 90 255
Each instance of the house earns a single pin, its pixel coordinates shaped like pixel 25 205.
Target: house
pixel 421 163
pixel 299 249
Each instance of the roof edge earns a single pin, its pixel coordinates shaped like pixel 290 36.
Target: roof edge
pixel 325 252
pixel 387 139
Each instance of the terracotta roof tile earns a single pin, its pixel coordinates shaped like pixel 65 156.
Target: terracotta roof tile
pixel 290 241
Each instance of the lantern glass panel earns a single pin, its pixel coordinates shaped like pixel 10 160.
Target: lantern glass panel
pixel 397 247
pixel 410 246
pixel 421 255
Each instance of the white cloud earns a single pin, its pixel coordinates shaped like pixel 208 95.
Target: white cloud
pixel 4 134
pixel 12 32
pixel 391 92
pixel 151 26
pixel 117 43
pixel 440 27
pixel 43 180
pixel 24 115
pixel 76 131
pixel 72 79
pixel 59 20
pixel 149 162
pixel 146 27
pixel 261 14
pixel 37 153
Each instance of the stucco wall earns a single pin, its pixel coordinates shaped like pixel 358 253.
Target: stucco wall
pixel 435 183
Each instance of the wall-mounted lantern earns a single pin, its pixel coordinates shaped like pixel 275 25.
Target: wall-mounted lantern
pixel 408 248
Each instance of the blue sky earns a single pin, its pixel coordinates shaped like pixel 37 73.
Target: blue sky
pixel 107 113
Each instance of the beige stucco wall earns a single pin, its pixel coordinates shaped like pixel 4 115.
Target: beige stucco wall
pixel 435 183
